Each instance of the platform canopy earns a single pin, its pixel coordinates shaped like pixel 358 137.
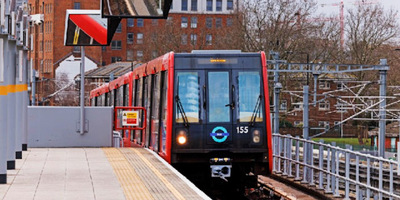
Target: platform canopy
pixel 135 8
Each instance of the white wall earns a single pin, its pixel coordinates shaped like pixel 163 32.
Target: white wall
pixel 71 66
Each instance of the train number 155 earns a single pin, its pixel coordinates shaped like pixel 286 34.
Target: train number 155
pixel 242 129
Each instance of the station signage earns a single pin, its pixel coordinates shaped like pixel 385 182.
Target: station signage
pixel 130 118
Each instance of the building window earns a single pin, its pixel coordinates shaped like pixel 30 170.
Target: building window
pixel 324 105
pixel 219 5
pixel 298 123
pixel 184 5
pixel 154 22
pixel 184 39
pixel 129 38
pixel 229 21
pixel 76 49
pixel 193 5
pixel 139 38
pixel 116 45
pixel 130 22
pixel 115 59
pixel 184 22
pixel 193 22
pixel 283 105
pixel 154 54
pixel 324 124
pixel 229 5
pixel 209 39
pixel 209 5
pixel 209 22
pixel 140 22
pixel 77 5
pixel 218 22
pixel 129 55
pixel 139 55
pixel 119 28
pixel 340 86
pixel 324 85
pixel 193 39
pixel 298 106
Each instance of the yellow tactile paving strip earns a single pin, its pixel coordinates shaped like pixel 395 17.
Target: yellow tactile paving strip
pixel 159 175
pixel 155 178
pixel 131 183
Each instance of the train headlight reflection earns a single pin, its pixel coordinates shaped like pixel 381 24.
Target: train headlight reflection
pixel 182 137
pixel 256 136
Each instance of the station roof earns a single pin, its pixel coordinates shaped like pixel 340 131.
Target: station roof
pixel 392 130
pixel 118 69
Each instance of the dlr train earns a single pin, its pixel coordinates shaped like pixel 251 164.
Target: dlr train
pixel 204 108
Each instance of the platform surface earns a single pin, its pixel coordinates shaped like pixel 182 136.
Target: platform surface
pixel 95 173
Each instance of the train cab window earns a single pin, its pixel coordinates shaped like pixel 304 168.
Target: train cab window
pixel 249 96
pixel 189 97
pixel 218 97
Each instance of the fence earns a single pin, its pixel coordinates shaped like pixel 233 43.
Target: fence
pixel 335 169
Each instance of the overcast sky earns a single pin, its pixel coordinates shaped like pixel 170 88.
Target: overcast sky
pixel 329 5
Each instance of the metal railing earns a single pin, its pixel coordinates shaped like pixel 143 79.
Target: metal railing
pixel 341 172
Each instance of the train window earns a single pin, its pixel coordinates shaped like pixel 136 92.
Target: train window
pixel 189 96
pixel 218 97
pixel 103 100
pixel 164 113
pixel 155 113
pixel 133 91
pixel 249 96
pixel 120 96
pixel 126 94
pixel 112 98
pixel 147 104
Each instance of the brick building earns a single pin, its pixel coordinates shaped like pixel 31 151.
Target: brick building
pixel 192 24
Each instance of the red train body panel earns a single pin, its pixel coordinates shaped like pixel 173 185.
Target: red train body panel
pixel 163 87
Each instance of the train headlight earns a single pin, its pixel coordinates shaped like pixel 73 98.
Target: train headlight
pixel 182 137
pixel 256 136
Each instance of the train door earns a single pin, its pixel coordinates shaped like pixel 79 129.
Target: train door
pixel 220 108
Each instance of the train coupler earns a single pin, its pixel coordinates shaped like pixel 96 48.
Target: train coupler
pixel 221 168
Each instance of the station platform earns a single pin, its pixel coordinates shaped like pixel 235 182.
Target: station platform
pixel 95 173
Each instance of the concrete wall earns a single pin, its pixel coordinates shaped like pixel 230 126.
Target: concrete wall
pixel 59 127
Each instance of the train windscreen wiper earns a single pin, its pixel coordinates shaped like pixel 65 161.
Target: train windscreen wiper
pixel 255 111
pixel 182 111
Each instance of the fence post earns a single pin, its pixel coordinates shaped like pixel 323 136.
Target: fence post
pixel 290 156
pixel 311 150
pixel 380 179
pixel 279 154
pixel 328 176
pixel 368 178
pixel 337 161
pixel 391 181
pixel 358 177
pixel 305 148
pixel 274 159
pixel 285 160
pixel 347 164
pixel 333 167
pixel 297 159
pixel 321 165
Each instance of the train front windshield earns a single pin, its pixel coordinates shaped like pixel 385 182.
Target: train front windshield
pixel 219 101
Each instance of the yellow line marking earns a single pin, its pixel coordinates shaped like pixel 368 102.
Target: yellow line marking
pixel 131 183
pixel 11 88
pixel 162 178
pixel 21 88
pixel 3 90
